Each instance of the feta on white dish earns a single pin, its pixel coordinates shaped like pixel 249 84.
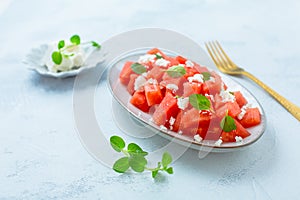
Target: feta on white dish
pixel 73 57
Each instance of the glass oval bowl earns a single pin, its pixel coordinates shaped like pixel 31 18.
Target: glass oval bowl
pixel 120 93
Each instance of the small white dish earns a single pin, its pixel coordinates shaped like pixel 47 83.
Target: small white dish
pixel 37 57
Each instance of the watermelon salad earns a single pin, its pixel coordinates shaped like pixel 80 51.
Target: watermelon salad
pixel 184 97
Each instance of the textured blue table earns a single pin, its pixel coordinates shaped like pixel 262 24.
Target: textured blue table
pixel 41 156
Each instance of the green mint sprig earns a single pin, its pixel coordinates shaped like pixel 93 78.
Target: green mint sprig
pixel 163 165
pixel 206 76
pixel 176 71
pixel 227 123
pixel 138 68
pixel 75 40
pixel 199 101
pixel 134 158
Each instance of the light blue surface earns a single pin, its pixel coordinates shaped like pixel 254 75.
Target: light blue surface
pixel 41 156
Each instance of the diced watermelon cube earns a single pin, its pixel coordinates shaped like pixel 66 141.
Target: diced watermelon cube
pixel 239 131
pixel 232 108
pixel 155 51
pixel 156 73
pixel 153 94
pixel 181 59
pixel 240 99
pixel 139 100
pixel 191 88
pixel 251 118
pixel 130 86
pixel 126 72
pixel 167 108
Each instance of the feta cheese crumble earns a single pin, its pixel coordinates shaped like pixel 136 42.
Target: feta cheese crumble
pixel 227 96
pixel 162 62
pixel 182 102
pixel 139 82
pixel 75 60
pixel 238 139
pixel 146 58
pixel 196 77
pixel 244 108
pixel 172 121
pixel 218 142
pixel 163 128
pixel 197 138
pixel 172 87
pixel 242 114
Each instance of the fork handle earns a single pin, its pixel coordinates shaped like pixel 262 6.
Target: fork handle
pixel 292 108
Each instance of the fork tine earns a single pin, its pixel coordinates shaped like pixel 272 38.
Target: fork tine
pixel 211 54
pixel 228 64
pixel 215 55
pixel 220 55
pixel 226 56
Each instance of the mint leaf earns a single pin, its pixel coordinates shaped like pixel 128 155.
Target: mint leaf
pixel 95 44
pixel 137 163
pixel 199 102
pixel 117 143
pixel 227 124
pixel 121 165
pixel 176 71
pixel 154 173
pixel 135 149
pixel 75 39
pixel 61 44
pixel 169 170
pixel 206 76
pixel 166 159
pixel 158 56
pixel 138 68
pixel 57 57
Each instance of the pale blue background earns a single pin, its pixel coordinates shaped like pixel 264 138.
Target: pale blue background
pixel 41 156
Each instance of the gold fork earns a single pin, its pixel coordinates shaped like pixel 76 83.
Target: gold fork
pixel 225 65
